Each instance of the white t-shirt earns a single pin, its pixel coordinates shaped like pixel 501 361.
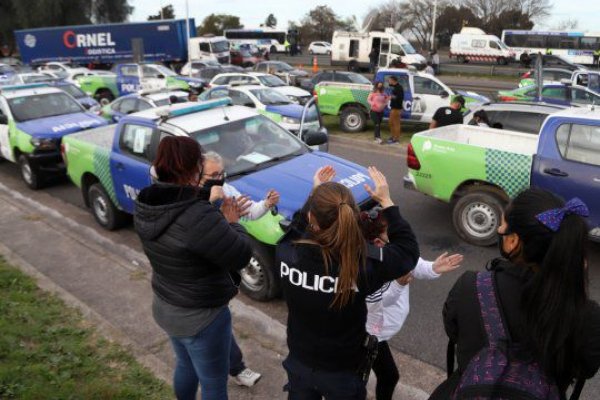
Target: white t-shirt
pixel 256 210
pixel 388 307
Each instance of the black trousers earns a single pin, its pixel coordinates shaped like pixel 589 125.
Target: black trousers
pixel 377 117
pixel 386 372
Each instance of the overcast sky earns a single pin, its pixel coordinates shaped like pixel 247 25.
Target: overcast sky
pixel 253 13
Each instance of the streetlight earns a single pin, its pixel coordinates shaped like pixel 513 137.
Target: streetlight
pixel 433 25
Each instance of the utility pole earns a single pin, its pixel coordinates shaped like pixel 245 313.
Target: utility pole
pixel 433 25
pixel 187 27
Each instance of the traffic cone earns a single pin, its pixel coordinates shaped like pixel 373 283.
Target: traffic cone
pixel 315 67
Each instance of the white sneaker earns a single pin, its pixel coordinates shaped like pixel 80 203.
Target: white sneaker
pixel 377 140
pixel 247 378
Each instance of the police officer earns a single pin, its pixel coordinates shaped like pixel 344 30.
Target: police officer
pixel 597 57
pixel 326 271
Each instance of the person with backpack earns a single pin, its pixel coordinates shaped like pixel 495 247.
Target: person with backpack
pixel 525 327
pixel 327 269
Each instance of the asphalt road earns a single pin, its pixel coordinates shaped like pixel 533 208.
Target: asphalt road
pixel 423 336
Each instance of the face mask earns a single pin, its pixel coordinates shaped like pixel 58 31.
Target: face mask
pixel 214 182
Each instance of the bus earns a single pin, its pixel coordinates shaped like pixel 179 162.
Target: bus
pixel 269 39
pixel 577 47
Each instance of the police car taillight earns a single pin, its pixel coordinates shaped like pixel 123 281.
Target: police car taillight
pixel 412 161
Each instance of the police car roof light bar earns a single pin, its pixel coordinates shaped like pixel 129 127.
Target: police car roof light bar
pixel 22 87
pixel 202 106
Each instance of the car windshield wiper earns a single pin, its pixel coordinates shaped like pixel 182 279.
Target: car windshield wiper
pixel 265 164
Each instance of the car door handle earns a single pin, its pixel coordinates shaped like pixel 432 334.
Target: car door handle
pixel 555 172
pixel 120 166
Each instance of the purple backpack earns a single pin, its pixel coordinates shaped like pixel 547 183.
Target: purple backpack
pixel 497 372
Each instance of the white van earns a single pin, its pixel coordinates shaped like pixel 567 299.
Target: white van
pixel 352 49
pixel 210 47
pixel 474 44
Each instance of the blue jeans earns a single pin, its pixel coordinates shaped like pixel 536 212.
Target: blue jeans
pixel 204 359
pixel 306 383
pixel 236 359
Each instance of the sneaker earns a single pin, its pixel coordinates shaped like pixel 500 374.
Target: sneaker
pixel 378 141
pixel 247 378
pixel 391 141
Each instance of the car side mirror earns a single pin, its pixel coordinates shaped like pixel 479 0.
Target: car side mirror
pixel 160 76
pixel 3 119
pixel 316 138
pixel 251 105
pixel 443 94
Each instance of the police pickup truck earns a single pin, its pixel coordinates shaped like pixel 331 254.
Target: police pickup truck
pixel 478 170
pixel 33 120
pixel 423 95
pixel 112 164
pixel 131 78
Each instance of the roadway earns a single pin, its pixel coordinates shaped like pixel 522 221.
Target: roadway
pixel 423 336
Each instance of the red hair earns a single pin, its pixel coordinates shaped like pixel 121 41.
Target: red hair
pixel 178 160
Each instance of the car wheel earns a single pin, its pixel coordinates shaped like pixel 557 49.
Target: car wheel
pixel 502 61
pixel 353 119
pixel 106 214
pixel 461 59
pixel 311 52
pixel 259 280
pixel 476 217
pixel 104 96
pixel 29 174
pixel 328 52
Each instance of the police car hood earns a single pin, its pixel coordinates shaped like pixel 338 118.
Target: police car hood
pixel 288 110
pixel 60 125
pixel 475 97
pixel 293 179
pixel 292 91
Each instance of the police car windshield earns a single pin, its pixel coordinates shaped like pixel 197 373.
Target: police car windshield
pixel 249 144
pixel 73 91
pixel 271 81
pixel 165 71
pixel 27 108
pixel 358 78
pixel 270 97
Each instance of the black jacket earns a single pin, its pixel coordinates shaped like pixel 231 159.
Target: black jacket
pixel 397 96
pixel 464 326
pixel 318 335
pixel 194 252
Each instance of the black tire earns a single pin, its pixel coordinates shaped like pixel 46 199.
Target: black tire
pixel 502 61
pixel 328 52
pixel 106 214
pixel 311 52
pixel 104 96
pixel 462 59
pixel 30 175
pixel 353 66
pixel 477 215
pixel 260 280
pixel 353 119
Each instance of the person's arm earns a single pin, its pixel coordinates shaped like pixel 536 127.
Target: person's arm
pixel 450 311
pixel 424 270
pixel 433 124
pixel 434 119
pixel 214 239
pixel 256 210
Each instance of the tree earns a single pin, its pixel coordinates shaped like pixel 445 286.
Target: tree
pixel 451 20
pixel 487 10
pixel 320 23
pixel 215 24
pixel 566 24
pixel 167 12
pixel 271 21
pixel 514 19
pixel 105 11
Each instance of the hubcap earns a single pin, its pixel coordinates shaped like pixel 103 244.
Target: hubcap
pixel 253 275
pixel 352 120
pixel 101 209
pixel 26 172
pixel 479 220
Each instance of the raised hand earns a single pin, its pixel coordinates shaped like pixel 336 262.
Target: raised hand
pixel 230 210
pixel 323 174
pixel 381 192
pixel 244 203
pixel 272 198
pixel 216 193
pixel 445 263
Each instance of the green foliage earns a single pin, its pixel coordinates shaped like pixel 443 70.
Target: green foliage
pixel 215 24
pixel 320 23
pixel 168 12
pixel 271 21
pixel 48 352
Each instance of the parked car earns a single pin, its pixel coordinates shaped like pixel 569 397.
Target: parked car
pixel 197 65
pixel 6 73
pixel 29 77
pixel 518 116
pixel 246 55
pixel 569 95
pixel 589 79
pixel 478 170
pixel 82 98
pixel 473 44
pixel 551 60
pixel 333 76
pixel 112 165
pixel 423 95
pixel 319 48
pixel 293 93
pixel 141 101
pixel 274 105
pixel 283 70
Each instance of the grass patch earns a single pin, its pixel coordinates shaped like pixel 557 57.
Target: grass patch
pixel 332 123
pixel 47 351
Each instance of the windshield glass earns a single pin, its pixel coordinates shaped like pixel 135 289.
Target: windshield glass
pixel 167 100
pixel 73 91
pixel 35 78
pixel 502 45
pixel 271 81
pixel 408 49
pixel 270 97
pixel 219 47
pixel 249 144
pixel 43 105
pixel 164 70
pixel 397 49
pixel 282 67
pixel 357 78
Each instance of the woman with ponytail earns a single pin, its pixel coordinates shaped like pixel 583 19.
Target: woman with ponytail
pixel 542 292
pixel 327 270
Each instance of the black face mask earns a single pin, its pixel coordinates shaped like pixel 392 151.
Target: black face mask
pixel 214 182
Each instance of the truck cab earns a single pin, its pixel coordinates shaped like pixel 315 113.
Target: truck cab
pixel 352 49
pixel 210 47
